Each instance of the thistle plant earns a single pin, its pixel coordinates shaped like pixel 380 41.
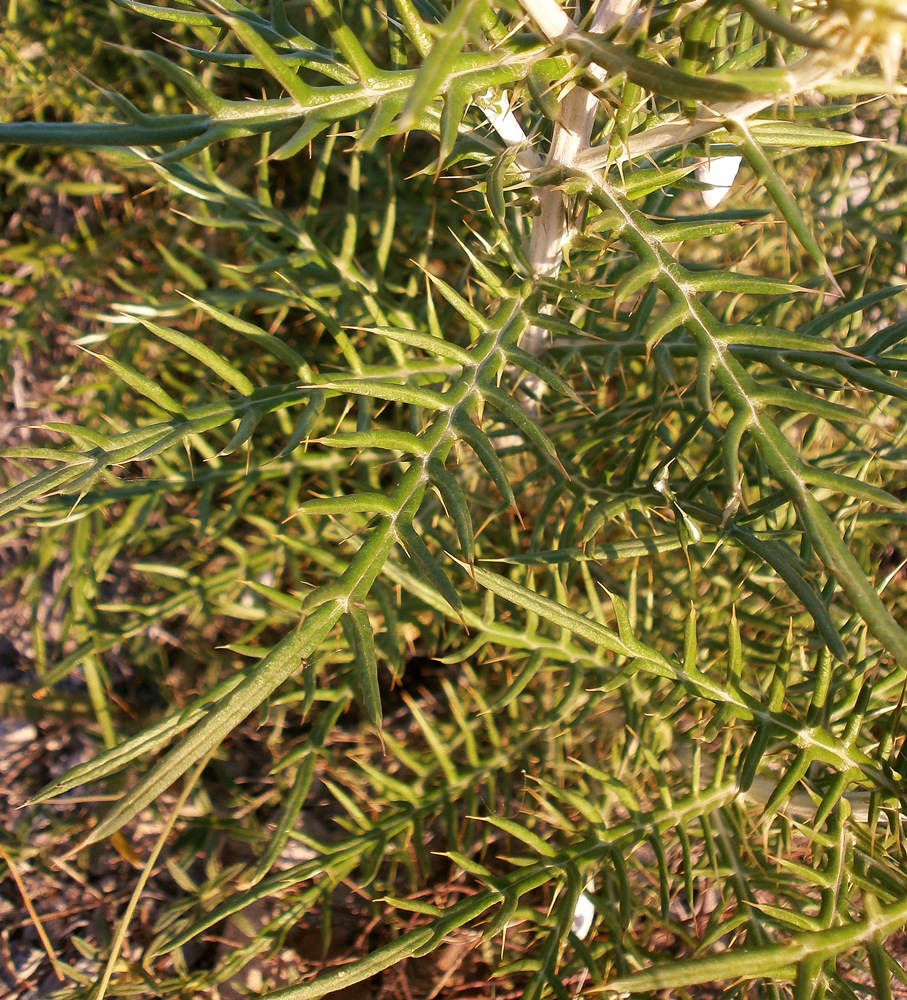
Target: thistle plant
pixel 454 361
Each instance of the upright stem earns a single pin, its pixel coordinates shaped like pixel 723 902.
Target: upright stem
pixel 572 137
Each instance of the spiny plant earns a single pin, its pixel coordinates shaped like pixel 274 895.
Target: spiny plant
pixel 628 470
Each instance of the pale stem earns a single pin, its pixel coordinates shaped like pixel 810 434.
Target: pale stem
pixel 502 119
pixel 549 18
pixel 571 138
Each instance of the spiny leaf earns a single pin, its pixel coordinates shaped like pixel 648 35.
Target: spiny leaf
pixel 355 503
pixel 304 425
pixel 368 691
pixel 456 504
pixel 428 566
pixel 438 746
pixel 254 41
pixel 165 131
pixel 787 204
pixel 378 388
pixel 781 340
pixel 49 454
pixel 828 320
pixel 431 345
pixel 520 833
pixel 511 409
pixel 559 615
pixel 292 805
pixel 484 449
pixel 780 26
pixel 211 359
pixel 244 431
pixel 795 135
pixel 800 401
pixel 436 66
pixel 634 281
pixel 691 229
pixel 850 486
pixel 313 126
pixel 747 284
pixel 266 341
pixel 453 112
pixel 379 438
pixel 172 14
pixel 281 662
pixel 149 740
pixel 544 372
pixel 381 122
pixel 472 316
pixel 639 183
pixel 776 960
pixel 381 958
pixel 187 82
pixel 141 384
pixel 654 76
pixel 782 560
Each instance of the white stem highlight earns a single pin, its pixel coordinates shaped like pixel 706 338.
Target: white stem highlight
pixel 572 137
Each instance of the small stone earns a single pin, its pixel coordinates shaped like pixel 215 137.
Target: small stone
pixel 14 735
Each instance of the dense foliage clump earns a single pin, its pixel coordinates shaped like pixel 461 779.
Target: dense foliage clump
pixel 491 529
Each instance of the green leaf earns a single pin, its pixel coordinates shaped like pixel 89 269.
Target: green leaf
pixel 773 961
pixel 344 976
pixel 281 662
pixel 544 372
pixel 367 688
pixel 564 617
pixel 389 440
pixel 292 807
pixel 639 183
pixel 783 561
pixel 437 65
pixel 780 26
pixel 780 340
pixel 508 407
pixel 746 284
pixel 139 383
pixel 383 389
pixel 431 345
pixel 520 682
pixel 456 505
pixel 211 359
pixel 486 454
pixel 439 749
pixel 532 840
pixel 852 487
pixel 284 74
pixel 794 135
pixel 149 740
pixel 798 401
pixel 267 342
pixel 635 281
pixel 304 425
pixel 172 14
pixel 358 503
pixel 654 76
pixel 428 566
pixel 164 131
pixel 828 320
pixel 381 122
pixel 412 906
pixel 786 202
pixel 472 316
